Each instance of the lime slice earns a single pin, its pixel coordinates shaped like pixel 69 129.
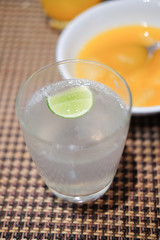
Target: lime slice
pixel 71 103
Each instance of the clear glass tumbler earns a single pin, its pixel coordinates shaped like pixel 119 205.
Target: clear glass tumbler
pixel 77 157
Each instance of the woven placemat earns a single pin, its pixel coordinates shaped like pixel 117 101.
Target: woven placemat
pixel 28 210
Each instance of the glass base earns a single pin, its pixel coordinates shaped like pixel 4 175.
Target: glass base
pixel 58 24
pixel 82 199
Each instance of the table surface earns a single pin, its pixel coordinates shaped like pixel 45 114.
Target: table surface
pixel 28 210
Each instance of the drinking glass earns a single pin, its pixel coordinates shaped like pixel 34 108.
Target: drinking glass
pixel 60 12
pixel 76 157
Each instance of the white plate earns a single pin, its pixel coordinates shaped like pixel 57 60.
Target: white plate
pixel 104 16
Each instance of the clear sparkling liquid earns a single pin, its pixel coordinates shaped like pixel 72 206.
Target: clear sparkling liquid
pixel 76 157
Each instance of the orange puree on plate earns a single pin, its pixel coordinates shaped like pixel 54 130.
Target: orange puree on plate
pixel 124 49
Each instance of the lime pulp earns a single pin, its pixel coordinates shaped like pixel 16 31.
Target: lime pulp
pixel 71 103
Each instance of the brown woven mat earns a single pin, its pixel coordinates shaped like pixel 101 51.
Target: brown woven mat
pixel 28 210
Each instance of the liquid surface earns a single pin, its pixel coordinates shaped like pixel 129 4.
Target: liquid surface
pixel 77 157
pixel 124 49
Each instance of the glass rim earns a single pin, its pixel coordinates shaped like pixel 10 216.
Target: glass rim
pixel 65 62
